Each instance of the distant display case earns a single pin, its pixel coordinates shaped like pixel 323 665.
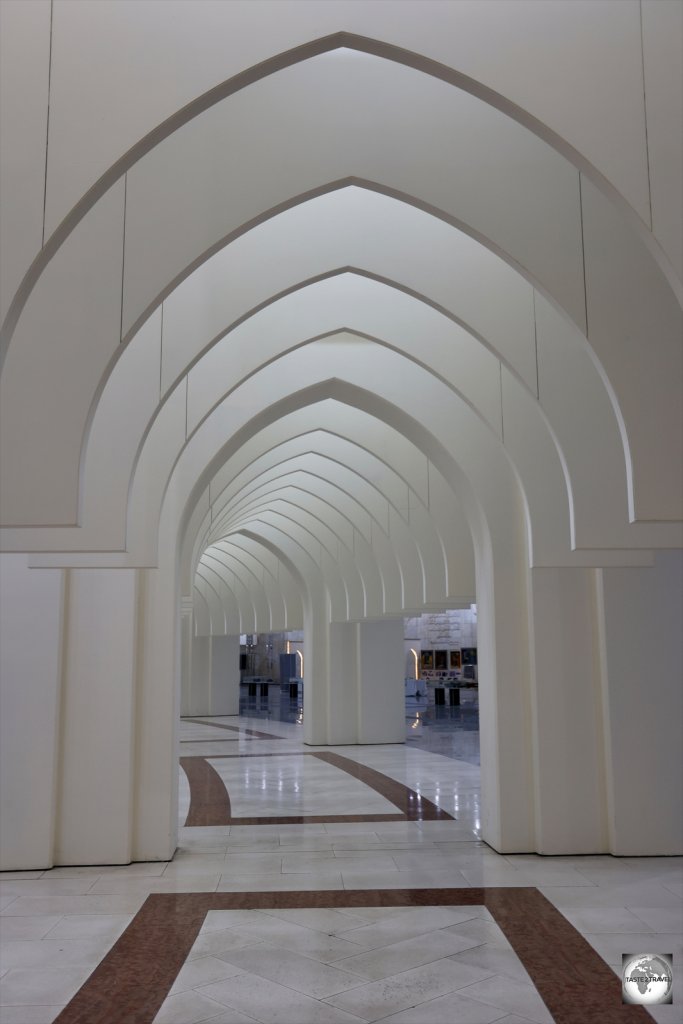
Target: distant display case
pixel 448 664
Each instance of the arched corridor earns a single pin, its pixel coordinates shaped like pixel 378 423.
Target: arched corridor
pixel 318 316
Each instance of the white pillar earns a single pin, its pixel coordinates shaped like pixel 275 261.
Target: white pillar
pixel 97 748
pixel 380 707
pixel 507 790
pixel 316 669
pixel 158 705
pixel 343 682
pixel 199 702
pixel 225 675
pixel 359 683
pixel 30 677
pixel 214 683
pixel 642 654
pixel 568 739
pixel 186 638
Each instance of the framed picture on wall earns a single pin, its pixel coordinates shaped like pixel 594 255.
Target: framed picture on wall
pixel 456 660
pixel 441 660
pixel 469 655
pixel 427 660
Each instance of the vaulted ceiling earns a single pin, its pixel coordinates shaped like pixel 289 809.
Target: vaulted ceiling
pixel 335 320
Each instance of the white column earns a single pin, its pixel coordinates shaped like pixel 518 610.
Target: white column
pixel 30 674
pixel 225 675
pixel 568 738
pixel 642 657
pixel 380 707
pixel 158 704
pixel 316 670
pixel 343 682
pixel 507 790
pixel 199 702
pixel 186 638
pixel 356 695
pixel 97 748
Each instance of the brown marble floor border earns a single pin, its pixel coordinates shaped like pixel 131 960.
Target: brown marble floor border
pixel 233 728
pixel 413 806
pixel 209 798
pixel 133 980
pixel 210 807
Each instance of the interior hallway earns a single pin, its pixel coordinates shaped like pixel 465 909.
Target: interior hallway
pixel 369 896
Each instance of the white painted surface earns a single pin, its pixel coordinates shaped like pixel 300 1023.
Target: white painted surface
pixel 643 611
pixel 568 742
pixel 200 691
pixel 380 710
pixel 30 678
pixel 663 66
pixel 24 65
pixel 97 770
pixel 225 675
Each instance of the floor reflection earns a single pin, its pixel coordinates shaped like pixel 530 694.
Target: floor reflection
pixel 451 731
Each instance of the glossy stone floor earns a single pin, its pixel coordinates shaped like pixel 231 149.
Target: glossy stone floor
pixel 365 894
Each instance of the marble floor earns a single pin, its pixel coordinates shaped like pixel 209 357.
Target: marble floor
pixel 330 885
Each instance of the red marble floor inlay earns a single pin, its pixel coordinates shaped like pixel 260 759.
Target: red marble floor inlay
pixel 133 980
pixel 210 802
pixel 231 728
pixel 413 806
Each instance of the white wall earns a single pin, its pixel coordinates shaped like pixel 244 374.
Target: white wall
pixel 225 675
pixel 380 707
pixel 200 686
pixel 567 731
pixel 343 673
pixel 97 764
pixel 30 670
pixel 643 705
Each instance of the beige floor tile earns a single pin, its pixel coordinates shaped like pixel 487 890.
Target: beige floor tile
pixel 84 926
pixel 269 1002
pixel 27 953
pixel 279 883
pixel 332 922
pixel 27 927
pixel 453 1008
pixel 30 1014
pixel 20 876
pixel 49 886
pixel 187 1008
pixel 398 992
pixel 495 959
pixel 293 970
pixel 382 962
pixel 92 904
pixel 511 996
pixel 202 971
pixel 37 987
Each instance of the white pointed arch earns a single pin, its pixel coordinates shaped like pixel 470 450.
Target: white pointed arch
pixel 671 348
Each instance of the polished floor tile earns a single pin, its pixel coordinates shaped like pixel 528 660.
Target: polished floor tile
pixel 276 915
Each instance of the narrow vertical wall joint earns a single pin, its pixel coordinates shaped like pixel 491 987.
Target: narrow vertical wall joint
pixel 647 141
pixel 161 350
pixel 606 780
pixel 538 387
pixel 57 774
pixel 583 252
pixel 47 123
pixel 62 717
pixel 502 419
pixel 123 252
